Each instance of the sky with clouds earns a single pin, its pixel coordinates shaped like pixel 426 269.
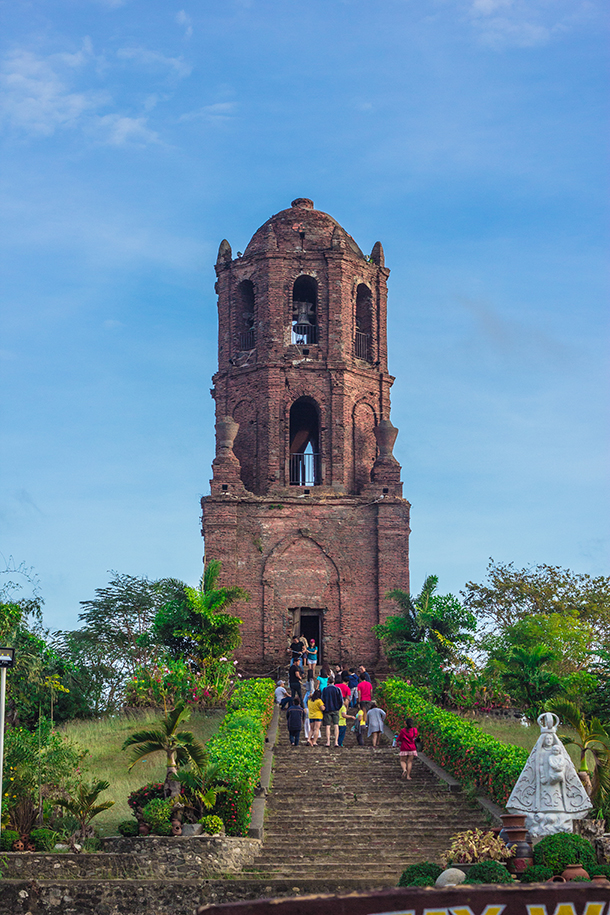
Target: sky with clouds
pixel 469 136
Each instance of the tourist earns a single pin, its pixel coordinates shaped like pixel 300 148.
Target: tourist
pixel 344 686
pixel 294 679
pixel 333 700
pixel 353 682
pixel 360 725
pixel 343 716
pixel 363 673
pixel 281 692
pixel 365 691
pixel 323 677
pixel 312 656
pixel 315 707
pixel 408 750
pixel 296 649
pixel 309 690
pixel 374 719
pixel 294 720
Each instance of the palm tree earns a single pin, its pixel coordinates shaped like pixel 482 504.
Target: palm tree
pixel 200 787
pixel 180 747
pixel 525 674
pixel 413 629
pixel 82 805
pixel 593 742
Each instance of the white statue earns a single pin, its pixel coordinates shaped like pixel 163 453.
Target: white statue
pixel 549 790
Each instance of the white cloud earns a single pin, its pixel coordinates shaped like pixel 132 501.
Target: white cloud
pixel 525 23
pixel 218 112
pixel 147 58
pixel 35 96
pixel 184 19
pixel 119 130
pixel 38 96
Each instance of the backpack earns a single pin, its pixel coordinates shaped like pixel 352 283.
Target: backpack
pixel 294 717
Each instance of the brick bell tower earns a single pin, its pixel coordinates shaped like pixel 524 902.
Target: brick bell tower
pixel 306 509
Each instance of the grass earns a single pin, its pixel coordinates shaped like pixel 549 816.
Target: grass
pixel 510 730
pixel 104 738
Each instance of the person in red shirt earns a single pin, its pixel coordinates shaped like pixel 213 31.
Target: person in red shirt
pixel 408 750
pixel 365 692
pixel 344 686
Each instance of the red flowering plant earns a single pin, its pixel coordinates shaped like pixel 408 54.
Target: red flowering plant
pixel 457 745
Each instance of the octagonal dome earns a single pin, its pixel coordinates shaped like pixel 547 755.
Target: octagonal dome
pixel 301 228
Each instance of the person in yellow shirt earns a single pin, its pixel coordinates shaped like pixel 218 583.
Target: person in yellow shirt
pixel 360 724
pixel 343 716
pixel 315 707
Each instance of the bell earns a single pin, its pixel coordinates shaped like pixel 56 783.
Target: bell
pixel 302 310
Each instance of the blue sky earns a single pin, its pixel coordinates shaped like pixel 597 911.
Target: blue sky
pixel 469 136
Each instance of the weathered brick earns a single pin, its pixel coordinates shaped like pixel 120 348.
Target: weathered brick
pixel 327 545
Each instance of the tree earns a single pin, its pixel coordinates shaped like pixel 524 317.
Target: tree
pixel 180 747
pixel 195 624
pixel 430 632
pixel 526 675
pixel 116 638
pixel 593 742
pixel 511 594
pixel 82 804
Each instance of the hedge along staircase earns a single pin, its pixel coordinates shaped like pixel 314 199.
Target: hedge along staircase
pixel 346 816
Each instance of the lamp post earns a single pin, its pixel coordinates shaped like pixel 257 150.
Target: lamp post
pixel 7 659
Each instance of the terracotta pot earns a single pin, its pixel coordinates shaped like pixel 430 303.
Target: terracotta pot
pixel 176 828
pixel 513 820
pixel 574 870
pixel 513 834
pixel 556 879
pixel 600 880
pixel 144 829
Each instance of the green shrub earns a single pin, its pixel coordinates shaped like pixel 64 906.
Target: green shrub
pixel 459 746
pixel 163 829
pixel 43 839
pixel 157 812
pixel 129 828
pixel 422 881
pixel 537 873
pixel 424 871
pixel 488 872
pixel 580 880
pixel 564 848
pixel 237 748
pixel 599 869
pixel 212 825
pixel 7 838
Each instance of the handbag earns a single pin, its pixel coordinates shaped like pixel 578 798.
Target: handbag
pixel 418 744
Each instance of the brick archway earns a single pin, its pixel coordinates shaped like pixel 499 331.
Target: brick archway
pixel 300 573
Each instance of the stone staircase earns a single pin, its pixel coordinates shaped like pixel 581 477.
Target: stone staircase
pixel 344 813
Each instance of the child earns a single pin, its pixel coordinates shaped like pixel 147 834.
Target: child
pixel 360 724
pixel 408 750
pixel 343 716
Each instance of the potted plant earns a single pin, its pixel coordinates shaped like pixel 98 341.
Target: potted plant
pixel 473 847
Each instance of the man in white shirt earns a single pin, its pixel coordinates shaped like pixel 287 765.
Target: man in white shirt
pixel 281 692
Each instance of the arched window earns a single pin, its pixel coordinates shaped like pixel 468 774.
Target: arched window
pixel 246 336
pixel 305 465
pixel 305 310
pixel 364 323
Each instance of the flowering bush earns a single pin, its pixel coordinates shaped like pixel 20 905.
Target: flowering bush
pixel 139 798
pixel 457 745
pixel 467 692
pixel 237 748
pixel 168 683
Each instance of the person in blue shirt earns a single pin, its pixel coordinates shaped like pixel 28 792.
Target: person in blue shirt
pixel 312 656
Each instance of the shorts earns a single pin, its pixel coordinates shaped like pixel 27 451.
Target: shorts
pixel 330 718
pixel 408 753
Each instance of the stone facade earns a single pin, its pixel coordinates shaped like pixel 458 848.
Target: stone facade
pixel 306 509
pixel 145 857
